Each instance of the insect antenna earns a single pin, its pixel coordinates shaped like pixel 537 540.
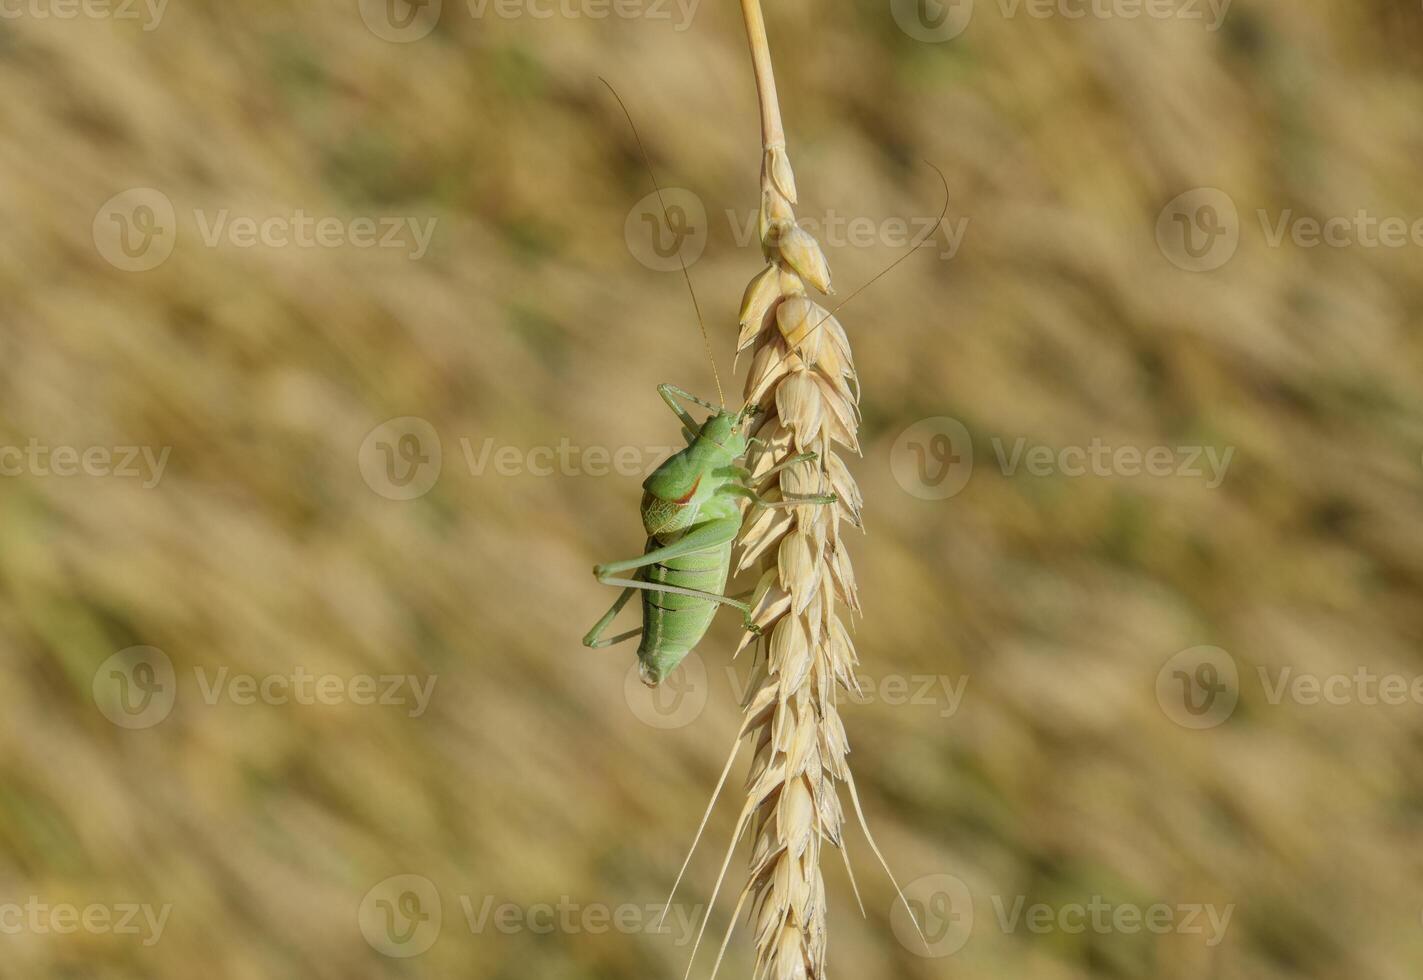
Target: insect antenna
pixel 706 340
pixel 924 240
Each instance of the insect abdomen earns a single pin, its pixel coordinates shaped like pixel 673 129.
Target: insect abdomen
pixel 674 624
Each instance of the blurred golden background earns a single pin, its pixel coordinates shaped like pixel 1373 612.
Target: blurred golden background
pixel 295 690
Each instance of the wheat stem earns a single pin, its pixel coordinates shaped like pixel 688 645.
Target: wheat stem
pixel 772 133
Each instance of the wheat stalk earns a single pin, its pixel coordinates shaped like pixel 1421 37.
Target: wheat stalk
pixel 803 378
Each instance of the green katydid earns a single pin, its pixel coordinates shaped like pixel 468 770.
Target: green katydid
pixel 692 510
pixel 692 514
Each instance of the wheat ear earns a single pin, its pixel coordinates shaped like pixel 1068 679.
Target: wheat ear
pixel 803 380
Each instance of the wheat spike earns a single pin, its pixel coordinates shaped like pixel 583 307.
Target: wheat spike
pixel 802 377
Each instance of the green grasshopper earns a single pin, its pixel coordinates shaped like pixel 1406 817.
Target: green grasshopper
pixel 691 512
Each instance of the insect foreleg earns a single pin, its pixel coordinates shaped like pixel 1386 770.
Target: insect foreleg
pixel 593 639
pixel 786 463
pixel 738 473
pixel 745 476
pixel 795 500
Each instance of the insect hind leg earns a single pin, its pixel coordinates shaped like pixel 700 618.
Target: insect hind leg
pixel 594 638
pixel 743 607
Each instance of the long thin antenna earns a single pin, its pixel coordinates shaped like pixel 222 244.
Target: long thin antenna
pixel 924 240
pixel 706 340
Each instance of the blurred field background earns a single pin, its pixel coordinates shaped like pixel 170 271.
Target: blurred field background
pixel 535 776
